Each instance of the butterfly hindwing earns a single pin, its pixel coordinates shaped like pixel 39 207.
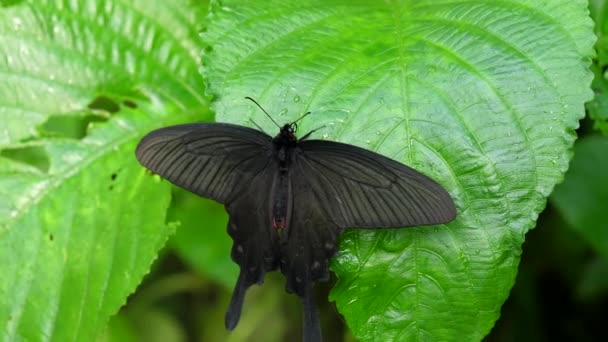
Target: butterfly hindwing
pixel 308 244
pixel 310 238
pixel 255 243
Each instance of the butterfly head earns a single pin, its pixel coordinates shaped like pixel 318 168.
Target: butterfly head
pixel 288 133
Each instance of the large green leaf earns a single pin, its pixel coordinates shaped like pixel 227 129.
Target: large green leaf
pixel 483 96
pixel 80 220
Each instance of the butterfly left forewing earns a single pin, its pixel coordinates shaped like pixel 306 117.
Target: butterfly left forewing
pixel 209 159
pixel 360 188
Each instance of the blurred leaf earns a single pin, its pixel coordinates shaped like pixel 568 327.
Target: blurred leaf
pixel 481 96
pixel 594 283
pixel 598 108
pixel 582 197
pixel 81 221
pixel 201 238
pixel 159 326
pixel 266 319
pixel 153 312
pixel 150 325
pixel 599 12
pixel 543 305
pixel 119 329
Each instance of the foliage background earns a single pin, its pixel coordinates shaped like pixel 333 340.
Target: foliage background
pixel 561 289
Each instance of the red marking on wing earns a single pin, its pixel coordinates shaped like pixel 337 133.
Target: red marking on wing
pixel 278 225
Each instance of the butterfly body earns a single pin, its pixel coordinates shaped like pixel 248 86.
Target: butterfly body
pixel 284 145
pixel 289 199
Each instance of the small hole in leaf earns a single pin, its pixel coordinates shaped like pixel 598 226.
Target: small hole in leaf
pixel 7 3
pixel 32 155
pixel 113 176
pixel 51 237
pixel 74 127
pixel 129 103
pixel 104 103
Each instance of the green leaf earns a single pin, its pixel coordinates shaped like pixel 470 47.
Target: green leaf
pixel 599 12
pixel 80 219
pixel 598 108
pixel 594 282
pixel 581 199
pixel 57 56
pixel 481 96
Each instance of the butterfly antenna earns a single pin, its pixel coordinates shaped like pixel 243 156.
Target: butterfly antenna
pixel 256 125
pixel 301 117
pixel 311 132
pixel 265 112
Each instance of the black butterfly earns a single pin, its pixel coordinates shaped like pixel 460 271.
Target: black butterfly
pixel 288 199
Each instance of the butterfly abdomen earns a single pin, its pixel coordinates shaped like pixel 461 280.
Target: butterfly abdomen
pixel 281 204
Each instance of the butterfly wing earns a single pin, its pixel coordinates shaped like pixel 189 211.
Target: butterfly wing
pixel 232 165
pixel 360 188
pixel 213 160
pixel 308 244
pixel 334 186
pixel 337 186
pixel 256 244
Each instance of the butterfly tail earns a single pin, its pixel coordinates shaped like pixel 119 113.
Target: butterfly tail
pixel 310 315
pixel 233 314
